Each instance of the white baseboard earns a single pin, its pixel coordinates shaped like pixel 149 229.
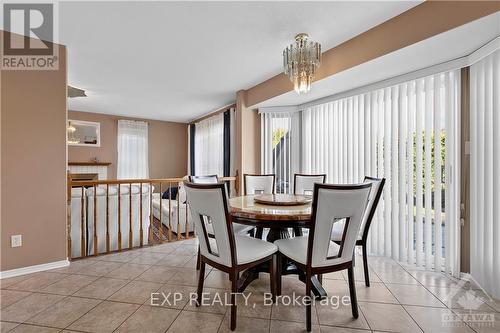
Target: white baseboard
pixel 34 269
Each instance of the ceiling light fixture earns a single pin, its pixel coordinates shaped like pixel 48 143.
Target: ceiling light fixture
pixel 300 61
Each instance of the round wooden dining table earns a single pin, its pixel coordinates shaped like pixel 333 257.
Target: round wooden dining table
pixel 281 221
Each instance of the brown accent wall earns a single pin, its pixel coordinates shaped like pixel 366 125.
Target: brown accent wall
pixel 168 145
pixel 421 22
pixel 33 164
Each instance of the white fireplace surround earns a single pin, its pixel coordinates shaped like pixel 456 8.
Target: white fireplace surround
pixel 100 170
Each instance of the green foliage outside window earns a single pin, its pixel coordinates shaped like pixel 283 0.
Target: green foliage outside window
pixel 277 135
pixel 433 156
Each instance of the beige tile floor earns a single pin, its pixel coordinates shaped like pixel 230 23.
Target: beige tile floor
pixel 113 294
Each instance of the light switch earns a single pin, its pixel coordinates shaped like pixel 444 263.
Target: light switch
pixel 16 240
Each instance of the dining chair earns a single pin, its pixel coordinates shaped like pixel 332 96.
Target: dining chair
pixel 303 184
pixel 258 184
pixel 371 207
pixel 238 228
pixel 316 253
pixel 226 252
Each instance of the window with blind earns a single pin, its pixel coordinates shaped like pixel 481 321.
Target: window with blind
pixel 279 147
pixel 406 133
pixel 133 160
pixel 209 146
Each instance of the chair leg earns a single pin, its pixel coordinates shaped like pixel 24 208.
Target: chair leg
pixel 201 279
pixel 279 267
pixel 198 259
pixel 234 290
pixel 272 276
pixel 308 303
pixel 258 232
pixel 352 291
pixel 365 266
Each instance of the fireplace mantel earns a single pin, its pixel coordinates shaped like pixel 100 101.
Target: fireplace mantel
pixel 93 168
pixel 89 163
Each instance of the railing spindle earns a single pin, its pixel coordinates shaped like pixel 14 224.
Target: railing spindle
pixel 160 232
pixel 107 219
pixel 69 201
pixel 82 223
pixel 130 243
pixel 151 215
pixel 140 213
pixel 119 218
pixel 185 215
pixel 179 233
pixel 96 250
pixel 170 212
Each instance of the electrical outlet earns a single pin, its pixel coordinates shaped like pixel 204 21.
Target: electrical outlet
pixel 16 240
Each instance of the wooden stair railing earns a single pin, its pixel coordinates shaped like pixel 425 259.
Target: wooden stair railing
pixel 95 184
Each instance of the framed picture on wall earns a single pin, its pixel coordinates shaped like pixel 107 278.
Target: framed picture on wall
pixel 84 133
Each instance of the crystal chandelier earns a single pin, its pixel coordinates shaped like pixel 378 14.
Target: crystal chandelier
pixel 300 61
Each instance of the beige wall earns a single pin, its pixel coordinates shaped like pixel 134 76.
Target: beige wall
pixel 33 165
pixel 421 22
pixel 168 145
pixel 247 138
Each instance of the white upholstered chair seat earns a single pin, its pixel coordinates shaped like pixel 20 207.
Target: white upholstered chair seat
pixel 238 229
pixel 296 249
pixel 249 249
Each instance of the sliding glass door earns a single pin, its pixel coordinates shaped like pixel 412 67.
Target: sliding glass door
pixel 406 133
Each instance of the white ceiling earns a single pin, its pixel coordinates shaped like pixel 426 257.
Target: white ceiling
pixel 446 46
pixel 179 60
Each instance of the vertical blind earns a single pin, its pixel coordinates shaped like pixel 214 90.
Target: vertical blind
pixel 209 146
pixel 484 172
pixel 133 161
pixel 279 148
pixel 406 133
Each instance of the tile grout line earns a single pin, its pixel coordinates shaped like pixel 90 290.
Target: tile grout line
pixel 101 301
pixel 446 306
pixel 418 283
